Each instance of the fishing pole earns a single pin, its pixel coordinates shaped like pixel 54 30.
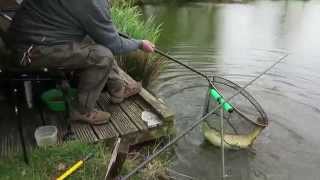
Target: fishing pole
pixel 158 51
pixel 196 123
pixel 213 91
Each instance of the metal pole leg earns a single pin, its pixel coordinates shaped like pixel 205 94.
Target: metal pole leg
pixel 222 145
pixel 69 135
pixel 18 116
pixel 65 87
pixel 39 102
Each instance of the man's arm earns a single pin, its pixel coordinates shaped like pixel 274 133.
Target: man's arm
pixel 94 17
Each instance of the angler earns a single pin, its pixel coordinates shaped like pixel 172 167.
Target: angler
pixel 53 33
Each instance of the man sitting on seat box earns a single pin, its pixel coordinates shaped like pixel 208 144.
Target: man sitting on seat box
pixel 56 29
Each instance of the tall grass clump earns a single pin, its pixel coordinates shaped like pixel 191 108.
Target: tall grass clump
pixel 141 66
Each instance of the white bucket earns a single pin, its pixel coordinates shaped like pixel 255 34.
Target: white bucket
pixel 46 135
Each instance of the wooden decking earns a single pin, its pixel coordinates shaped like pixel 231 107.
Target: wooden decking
pixel 125 121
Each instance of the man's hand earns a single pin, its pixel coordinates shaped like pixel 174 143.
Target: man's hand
pixel 147 46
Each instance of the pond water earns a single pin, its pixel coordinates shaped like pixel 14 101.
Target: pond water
pixel 239 41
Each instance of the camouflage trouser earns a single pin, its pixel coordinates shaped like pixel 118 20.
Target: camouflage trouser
pixel 95 64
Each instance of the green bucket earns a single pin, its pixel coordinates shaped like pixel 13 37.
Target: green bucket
pixel 53 98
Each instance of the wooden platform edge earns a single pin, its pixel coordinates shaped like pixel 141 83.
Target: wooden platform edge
pixel 167 129
pixel 156 103
pixel 153 134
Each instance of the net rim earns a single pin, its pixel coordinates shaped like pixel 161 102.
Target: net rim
pixel 263 121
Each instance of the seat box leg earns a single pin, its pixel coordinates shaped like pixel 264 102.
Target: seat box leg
pixel 65 87
pixel 18 117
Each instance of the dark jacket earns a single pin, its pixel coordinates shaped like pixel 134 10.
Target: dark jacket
pixel 52 22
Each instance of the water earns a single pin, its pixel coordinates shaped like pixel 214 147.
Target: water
pixel 238 41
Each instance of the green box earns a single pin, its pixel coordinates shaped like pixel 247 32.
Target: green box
pixel 54 100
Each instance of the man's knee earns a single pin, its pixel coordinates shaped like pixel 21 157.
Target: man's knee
pixel 100 56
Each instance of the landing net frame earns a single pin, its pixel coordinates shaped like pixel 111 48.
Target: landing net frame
pixel 247 117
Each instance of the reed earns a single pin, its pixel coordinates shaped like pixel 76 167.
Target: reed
pixel 141 66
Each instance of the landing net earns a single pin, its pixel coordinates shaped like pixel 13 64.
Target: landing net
pixel 242 115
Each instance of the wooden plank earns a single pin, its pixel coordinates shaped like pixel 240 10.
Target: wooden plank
pixel 158 105
pixel 84 132
pixel 119 119
pixel 9 135
pixel 10 144
pixel 143 104
pixel 112 166
pixel 134 112
pixel 118 157
pixel 167 128
pixel 106 131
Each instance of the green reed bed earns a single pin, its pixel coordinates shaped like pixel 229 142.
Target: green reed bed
pixel 141 66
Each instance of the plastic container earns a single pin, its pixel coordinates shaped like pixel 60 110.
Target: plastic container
pixel 46 135
pixel 54 99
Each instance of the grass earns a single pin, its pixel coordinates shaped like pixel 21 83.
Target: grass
pixel 49 163
pixel 128 20
pixel 157 168
pixel 141 66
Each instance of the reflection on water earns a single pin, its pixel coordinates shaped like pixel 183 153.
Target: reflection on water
pixel 238 41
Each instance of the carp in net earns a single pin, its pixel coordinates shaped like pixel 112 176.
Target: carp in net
pixel 243 116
